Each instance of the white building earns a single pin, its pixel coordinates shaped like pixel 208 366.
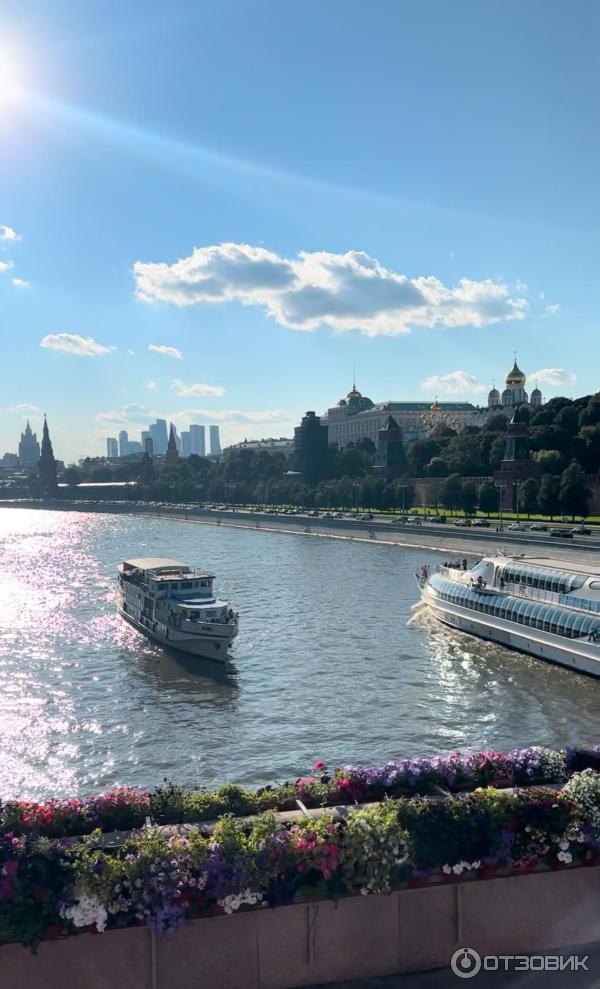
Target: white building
pixel 514 394
pixel 356 417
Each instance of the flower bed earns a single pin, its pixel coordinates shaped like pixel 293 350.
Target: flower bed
pixel 50 885
pixel 126 808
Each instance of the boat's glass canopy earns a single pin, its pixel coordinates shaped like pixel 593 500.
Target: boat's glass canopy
pixel 561 581
pixel 535 614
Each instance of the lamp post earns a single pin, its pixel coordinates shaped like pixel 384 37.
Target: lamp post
pixel 501 485
pixel 518 487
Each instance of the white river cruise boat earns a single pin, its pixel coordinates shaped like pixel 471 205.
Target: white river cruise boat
pixel 547 608
pixel 174 604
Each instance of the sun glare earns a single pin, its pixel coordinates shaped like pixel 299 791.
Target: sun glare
pixel 10 75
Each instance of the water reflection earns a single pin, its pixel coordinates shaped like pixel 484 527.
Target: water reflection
pixel 331 662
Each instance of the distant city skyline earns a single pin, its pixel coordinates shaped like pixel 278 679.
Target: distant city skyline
pixel 154 441
pixel 410 189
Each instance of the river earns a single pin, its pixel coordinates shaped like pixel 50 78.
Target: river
pixel 333 662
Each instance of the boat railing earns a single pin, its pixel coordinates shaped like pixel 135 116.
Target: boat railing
pixel 532 593
pixel 453 573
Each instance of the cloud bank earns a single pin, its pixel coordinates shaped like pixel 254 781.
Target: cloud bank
pixel 7 233
pixel 72 343
pixel 25 409
pixel 161 348
pixel 453 383
pixel 137 415
pixel 187 391
pixel 351 291
pixel 553 376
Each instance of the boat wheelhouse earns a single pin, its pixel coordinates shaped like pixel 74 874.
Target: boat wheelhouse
pixel 175 605
pixel 546 608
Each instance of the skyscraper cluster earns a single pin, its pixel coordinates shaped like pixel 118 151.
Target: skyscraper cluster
pixel 155 439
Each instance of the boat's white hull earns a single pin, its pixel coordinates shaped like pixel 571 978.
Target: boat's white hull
pixel 576 654
pixel 206 645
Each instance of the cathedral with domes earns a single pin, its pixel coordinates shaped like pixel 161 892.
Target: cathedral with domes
pixel 514 394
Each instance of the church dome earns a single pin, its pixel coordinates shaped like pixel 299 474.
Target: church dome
pixel 536 393
pixel 494 393
pixel 354 393
pixel 515 376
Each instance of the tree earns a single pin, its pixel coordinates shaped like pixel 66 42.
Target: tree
pixel 468 498
pixel 451 492
pixel 574 497
pixel 437 467
pixel 589 448
pixel 72 476
pixel 549 461
pixel 548 497
pixel 489 498
pixel 528 496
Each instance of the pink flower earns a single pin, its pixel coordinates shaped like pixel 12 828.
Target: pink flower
pixel 319 764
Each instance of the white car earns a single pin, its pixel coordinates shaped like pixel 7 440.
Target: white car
pixel 516 527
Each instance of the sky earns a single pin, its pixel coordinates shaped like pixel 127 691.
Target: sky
pixel 218 211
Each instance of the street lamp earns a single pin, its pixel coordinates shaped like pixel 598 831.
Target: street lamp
pixel 518 486
pixel 501 485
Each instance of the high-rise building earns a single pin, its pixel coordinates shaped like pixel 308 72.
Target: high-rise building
pixel 112 447
pixel 29 448
pixel 149 446
pixel 215 443
pixel 134 446
pixel 123 443
pixel 186 444
pixel 198 435
pixel 47 466
pixel 160 437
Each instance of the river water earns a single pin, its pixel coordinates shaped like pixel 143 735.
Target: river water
pixel 333 661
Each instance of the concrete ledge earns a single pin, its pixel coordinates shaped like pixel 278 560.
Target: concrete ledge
pixel 307 944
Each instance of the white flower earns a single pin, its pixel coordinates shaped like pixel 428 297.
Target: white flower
pixel 85 911
pixel 458 868
pixel 563 845
pixel 446 869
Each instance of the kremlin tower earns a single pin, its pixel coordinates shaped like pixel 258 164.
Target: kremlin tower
pixel 47 466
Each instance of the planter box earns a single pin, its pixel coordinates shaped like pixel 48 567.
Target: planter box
pixel 310 943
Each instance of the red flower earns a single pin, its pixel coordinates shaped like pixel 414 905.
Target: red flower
pixel 319 764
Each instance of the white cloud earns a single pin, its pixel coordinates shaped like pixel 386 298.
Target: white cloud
pixel 5 266
pixel 7 233
pixel 453 383
pixel 551 310
pixel 72 343
pixel 553 376
pixel 151 385
pixel 161 348
pixel 131 353
pixel 187 391
pixel 25 409
pixel 542 296
pixel 20 283
pixel 137 415
pixel 349 291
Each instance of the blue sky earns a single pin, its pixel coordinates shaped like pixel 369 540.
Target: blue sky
pixel 409 187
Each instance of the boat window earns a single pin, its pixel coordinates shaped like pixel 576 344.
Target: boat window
pixel 594 585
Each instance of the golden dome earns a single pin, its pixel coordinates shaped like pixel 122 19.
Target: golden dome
pixel 515 376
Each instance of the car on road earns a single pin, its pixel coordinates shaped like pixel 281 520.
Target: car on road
pixel 581 530
pixel 436 518
pixel 515 527
pixel 462 523
pixel 481 523
pixel 538 527
pixel 561 533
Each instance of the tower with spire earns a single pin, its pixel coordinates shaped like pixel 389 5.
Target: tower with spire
pixel 29 448
pixel 47 466
pixel 172 451
pixel 391 458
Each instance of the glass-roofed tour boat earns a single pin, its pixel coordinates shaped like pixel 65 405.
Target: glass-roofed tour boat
pixel 547 608
pixel 175 605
